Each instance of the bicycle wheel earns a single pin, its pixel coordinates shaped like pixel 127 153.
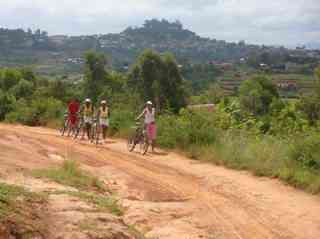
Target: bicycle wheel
pixel 144 145
pixel 64 127
pixel 78 129
pixel 92 133
pixel 97 134
pixel 131 143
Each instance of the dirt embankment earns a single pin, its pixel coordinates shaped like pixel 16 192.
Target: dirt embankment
pixel 164 195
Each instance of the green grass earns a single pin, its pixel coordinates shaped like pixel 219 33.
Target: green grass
pixel 293 158
pixel 70 174
pixel 101 202
pixel 90 188
pixel 9 194
pixel 265 156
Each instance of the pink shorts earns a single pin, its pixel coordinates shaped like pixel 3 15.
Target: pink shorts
pixel 152 131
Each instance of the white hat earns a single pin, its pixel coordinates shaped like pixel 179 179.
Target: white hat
pixel 104 102
pixel 149 102
pixel 87 100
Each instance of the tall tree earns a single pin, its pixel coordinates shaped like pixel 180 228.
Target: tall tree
pixel 158 78
pixel 95 74
pixel 172 84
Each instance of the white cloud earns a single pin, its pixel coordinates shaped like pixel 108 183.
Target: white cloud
pixel 269 22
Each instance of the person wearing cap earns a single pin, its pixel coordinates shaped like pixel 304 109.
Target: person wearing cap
pixel 149 122
pixel 103 116
pixel 88 112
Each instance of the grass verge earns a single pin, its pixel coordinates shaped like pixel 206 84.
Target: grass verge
pixel 70 174
pixel 101 202
pixel 10 194
pixel 21 213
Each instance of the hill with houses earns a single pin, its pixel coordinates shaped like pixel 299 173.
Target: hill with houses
pixel 20 46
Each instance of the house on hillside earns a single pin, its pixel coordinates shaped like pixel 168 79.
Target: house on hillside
pixel 58 39
pixel 287 85
pixel 221 65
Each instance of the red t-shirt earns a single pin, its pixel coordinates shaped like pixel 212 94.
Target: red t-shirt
pixel 73 107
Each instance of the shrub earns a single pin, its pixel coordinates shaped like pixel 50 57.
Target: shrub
pixel 306 150
pixel 121 121
pixel 6 104
pixel 189 128
pixel 37 112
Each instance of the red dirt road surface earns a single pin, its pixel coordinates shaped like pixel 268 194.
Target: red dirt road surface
pixel 167 195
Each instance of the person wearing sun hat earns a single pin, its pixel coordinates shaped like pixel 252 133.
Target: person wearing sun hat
pixel 88 112
pixel 149 122
pixel 103 116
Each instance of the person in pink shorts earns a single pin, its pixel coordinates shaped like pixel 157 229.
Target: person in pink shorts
pixel 149 123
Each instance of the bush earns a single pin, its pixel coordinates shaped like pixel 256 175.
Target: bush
pixel 306 150
pixel 37 113
pixel 121 121
pixel 24 89
pixel 186 129
pixel 6 104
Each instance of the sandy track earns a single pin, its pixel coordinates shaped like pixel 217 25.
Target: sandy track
pixel 169 196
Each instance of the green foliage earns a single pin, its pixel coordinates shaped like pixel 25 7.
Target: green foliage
pixel 188 128
pixel 317 72
pixel 121 121
pixel 200 75
pixel 306 150
pixel 241 144
pixel 9 78
pixel 70 174
pixel 95 74
pixel 8 196
pixel 310 104
pixel 23 89
pixel 6 104
pixel 37 112
pixel 310 107
pixel 257 94
pixel 158 79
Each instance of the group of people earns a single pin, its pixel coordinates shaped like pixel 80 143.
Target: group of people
pixel 88 112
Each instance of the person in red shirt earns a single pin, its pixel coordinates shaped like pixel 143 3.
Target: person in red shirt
pixel 73 110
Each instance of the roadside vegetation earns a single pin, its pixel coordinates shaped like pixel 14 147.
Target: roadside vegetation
pixel 256 131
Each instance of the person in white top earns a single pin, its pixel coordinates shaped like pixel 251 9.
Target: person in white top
pixel 149 122
pixel 103 115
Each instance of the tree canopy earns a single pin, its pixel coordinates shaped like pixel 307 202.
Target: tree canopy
pixel 257 94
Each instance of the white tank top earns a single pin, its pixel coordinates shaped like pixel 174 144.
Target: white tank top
pixel 149 116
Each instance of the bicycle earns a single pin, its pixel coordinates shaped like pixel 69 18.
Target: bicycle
pixel 65 124
pixel 95 131
pixel 80 127
pixel 138 136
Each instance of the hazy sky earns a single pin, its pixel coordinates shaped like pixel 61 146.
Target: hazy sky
pixel 282 22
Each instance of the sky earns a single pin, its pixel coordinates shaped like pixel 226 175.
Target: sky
pixel 271 22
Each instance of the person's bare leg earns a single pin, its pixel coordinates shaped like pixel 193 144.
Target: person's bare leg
pixel 88 128
pixel 105 131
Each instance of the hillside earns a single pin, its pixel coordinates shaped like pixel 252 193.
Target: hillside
pixel 62 53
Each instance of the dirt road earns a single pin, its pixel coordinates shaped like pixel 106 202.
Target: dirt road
pixel 169 196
